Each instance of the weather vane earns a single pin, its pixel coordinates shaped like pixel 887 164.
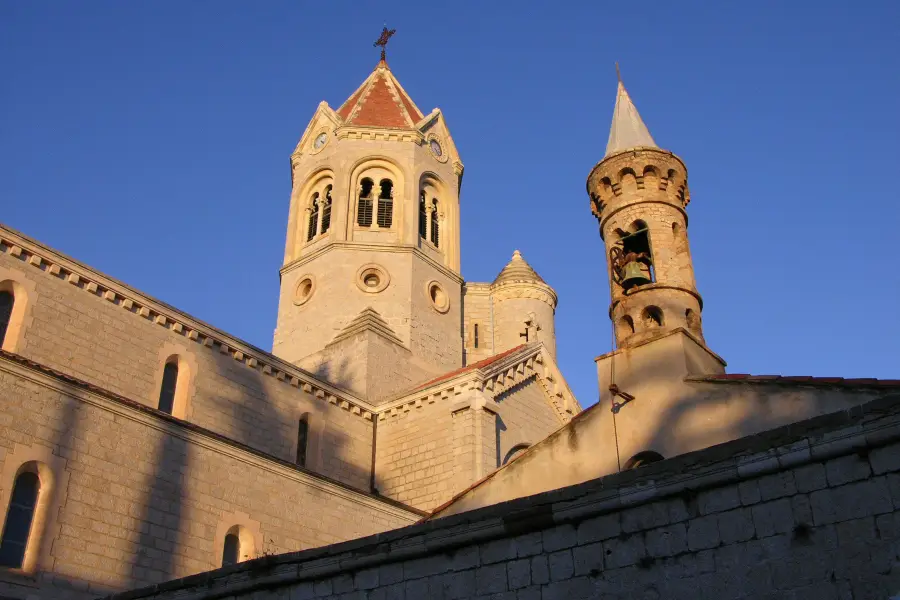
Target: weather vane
pixel 383 40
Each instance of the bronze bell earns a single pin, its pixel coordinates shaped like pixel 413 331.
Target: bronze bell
pixel 633 275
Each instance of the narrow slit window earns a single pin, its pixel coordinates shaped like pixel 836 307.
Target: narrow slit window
pixel 476 335
pixel 386 204
pixel 231 550
pixel 435 226
pixel 326 211
pixel 313 217
pixel 364 207
pixel 167 389
pixel 6 307
pixel 423 218
pixel 302 440
pixel 19 518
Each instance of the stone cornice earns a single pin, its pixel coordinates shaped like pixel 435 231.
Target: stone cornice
pixel 525 289
pixel 149 417
pixel 371 247
pixel 379 134
pixel 105 288
pixel 532 360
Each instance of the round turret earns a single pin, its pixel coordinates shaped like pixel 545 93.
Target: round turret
pixel 639 194
pixel 524 307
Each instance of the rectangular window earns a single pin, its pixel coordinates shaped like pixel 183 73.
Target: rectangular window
pixel 476 335
pixel 302 440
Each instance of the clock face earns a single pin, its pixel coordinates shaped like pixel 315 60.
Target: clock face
pixel 320 140
pixel 436 148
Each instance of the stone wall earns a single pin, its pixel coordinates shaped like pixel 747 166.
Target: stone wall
pixel 134 496
pixel 477 309
pixel 811 510
pixel 87 325
pixel 526 417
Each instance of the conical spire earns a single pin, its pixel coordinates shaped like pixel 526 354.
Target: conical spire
pixel 628 129
pixel 517 270
pixel 380 102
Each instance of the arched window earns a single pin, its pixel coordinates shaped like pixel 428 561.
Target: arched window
pixel 167 389
pixel 423 218
pixel 515 451
pixel 302 439
pixel 6 306
pixel 435 232
pixel 642 458
pixel 386 203
pixel 231 550
pixel 326 210
pixel 19 517
pixel 364 208
pixel 313 217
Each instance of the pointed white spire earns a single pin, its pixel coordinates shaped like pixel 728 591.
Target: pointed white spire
pixel 628 129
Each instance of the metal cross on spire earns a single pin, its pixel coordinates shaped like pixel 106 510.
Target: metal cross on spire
pixel 383 40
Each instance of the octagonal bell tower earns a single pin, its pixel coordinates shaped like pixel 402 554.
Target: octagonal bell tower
pixel 639 194
pixel 370 286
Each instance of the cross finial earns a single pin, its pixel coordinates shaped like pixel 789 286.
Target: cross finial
pixel 383 40
pixel 618 74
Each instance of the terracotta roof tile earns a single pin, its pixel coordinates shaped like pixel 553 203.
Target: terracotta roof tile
pixel 476 365
pixel 380 102
pixel 800 380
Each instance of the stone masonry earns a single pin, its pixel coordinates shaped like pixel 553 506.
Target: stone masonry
pixel 810 510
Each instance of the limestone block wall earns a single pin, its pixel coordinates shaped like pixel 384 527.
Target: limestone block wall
pixel 477 310
pixel 425 455
pixel 526 417
pixel 807 511
pixel 511 310
pixel 89 326
pixel 135 497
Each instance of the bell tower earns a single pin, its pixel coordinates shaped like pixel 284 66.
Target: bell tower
pixel 639 194
pixel 370 286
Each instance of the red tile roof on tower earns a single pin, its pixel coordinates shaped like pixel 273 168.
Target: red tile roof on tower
pixel 380 102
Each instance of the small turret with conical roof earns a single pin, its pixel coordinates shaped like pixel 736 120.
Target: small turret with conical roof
pixel 639 194
pixel 524 307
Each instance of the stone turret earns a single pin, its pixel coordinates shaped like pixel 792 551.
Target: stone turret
pixel 639 194
pixel 524 307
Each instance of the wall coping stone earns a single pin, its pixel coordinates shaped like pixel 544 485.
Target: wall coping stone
pixel 874 424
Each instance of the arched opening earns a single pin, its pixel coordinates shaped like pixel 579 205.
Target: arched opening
pixel 692 319
pixel 326 210
pixel 642 458
pixel 231 550
pixel 676 230
pixel 302 439
pixel 7 299
pixel 515 452
pixel 19 520
pixel 653 317
pixel 169 386
pixel 313 217
pixel 364 206
pixel 625 325
pixel 631 257
pixel 423 217
pixel 435 224
pixel 386 203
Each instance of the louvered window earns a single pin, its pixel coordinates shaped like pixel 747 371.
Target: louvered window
pixel 435 227
pixel 313 217
pixel 326 211
pixel 364 208
pixel 19 517
pixel 6 306
pixel 423 218
pixel 386 204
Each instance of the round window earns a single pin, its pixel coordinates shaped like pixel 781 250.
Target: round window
pixel 304 290
pixel 440 300
pixel 372 278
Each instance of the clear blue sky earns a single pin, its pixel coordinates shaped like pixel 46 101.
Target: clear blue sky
pixel 151 141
